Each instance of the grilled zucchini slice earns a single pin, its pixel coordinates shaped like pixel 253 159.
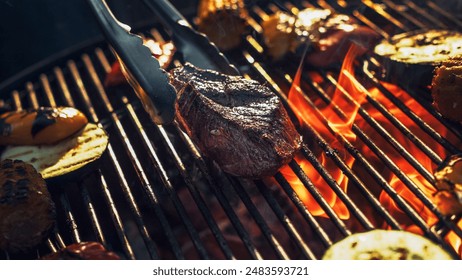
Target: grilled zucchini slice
pixel 385 245
pixel 410 58
pixel 68 157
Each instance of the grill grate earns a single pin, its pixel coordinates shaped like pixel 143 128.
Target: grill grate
pixel 155 196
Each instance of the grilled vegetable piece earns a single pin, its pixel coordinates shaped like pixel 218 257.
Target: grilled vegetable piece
pixel 162 51
pixel 447 88
pixel 239 123
pixel 66 158
pixel 448 180
pixel 279 34
pixel 27 213
pixel 410 58
pixel 40 126
pixel 83 251
pixel 385 245
pixel 329 35
pixel 223 21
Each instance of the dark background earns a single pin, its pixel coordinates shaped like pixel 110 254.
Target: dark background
pixel 32 30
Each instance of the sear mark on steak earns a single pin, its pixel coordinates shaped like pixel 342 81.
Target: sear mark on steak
pixel 239 123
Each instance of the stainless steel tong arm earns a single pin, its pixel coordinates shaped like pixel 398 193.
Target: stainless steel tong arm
pixel 142 70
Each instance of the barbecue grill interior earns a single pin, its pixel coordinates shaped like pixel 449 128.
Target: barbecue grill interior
pixel 370 148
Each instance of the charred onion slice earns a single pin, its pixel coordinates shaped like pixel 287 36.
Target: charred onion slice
pixel 27 213
pixel 385 245
pixel 68 157
pixel 40 126
pixel 448 180
pixel 414 55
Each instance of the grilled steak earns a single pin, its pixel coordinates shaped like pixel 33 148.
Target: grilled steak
pixel 238 123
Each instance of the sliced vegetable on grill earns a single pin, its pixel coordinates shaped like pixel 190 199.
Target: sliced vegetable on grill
pixel 239 123
pixel 448 181
pixel 279 34
pixel 40 126
pixel 27 212
pixel 385 245
pixel 83 251
pixel 446 88
pixel 223 21
pixel 72 157
pixel 328 35
pixel 410 58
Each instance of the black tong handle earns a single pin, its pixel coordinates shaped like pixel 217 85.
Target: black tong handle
pixel 194 46
pixel 143 72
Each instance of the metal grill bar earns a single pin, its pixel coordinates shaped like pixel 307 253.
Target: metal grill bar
pixel 47 88
pixel 434 21
pixel 416 164
pixel 357 182
pixel 319 198
pixel 147 166
pixel 159 127
pixel 84 192
pixel 447 15
pixel 279 250
pixel 128 250
pixel 92 214
pixel 107 194
pixel 218 192
pixel 329 151
pixel 71 223
pixel 379 128
pixel 193 190
pixel 295 235
pixel 417 120
pixel 303 211
pixel 150 245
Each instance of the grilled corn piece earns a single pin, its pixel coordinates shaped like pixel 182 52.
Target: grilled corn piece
pixel 223 21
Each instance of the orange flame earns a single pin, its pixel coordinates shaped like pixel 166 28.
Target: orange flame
pixel 309 116
pixel 401 189
pixel 455 241
pixel 329 124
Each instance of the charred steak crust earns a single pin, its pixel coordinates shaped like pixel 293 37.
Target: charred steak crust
pixel 239 123
pixel 27 212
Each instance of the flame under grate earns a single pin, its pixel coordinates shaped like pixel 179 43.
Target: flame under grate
pixel 155 196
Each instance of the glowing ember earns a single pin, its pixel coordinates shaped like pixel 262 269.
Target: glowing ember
pixel 455 240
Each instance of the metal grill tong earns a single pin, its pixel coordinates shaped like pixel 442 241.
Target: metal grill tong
pixel 142 70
